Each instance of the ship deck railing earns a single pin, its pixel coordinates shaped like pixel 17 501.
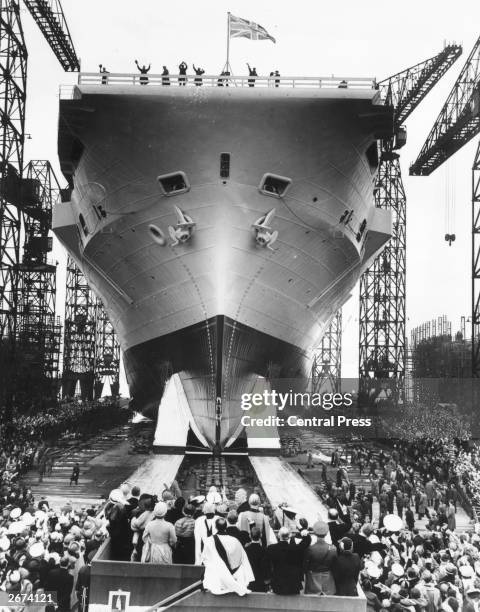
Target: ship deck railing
pixel 192 80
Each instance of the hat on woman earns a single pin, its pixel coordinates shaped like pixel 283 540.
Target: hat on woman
pixel 116 496
pixel 15 513
pixel 160 510
pixel 397 570
pixel 188 510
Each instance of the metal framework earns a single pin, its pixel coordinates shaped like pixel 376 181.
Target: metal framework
pixel 49 17
pixel 13 70
pixel 458 121
pixel 13 190
pixel 405 90
pixel 39 330
pixel 80 331
pixel 107 354
pixel 476 264
pixel 327 362
pixel 382 350
pixel 382 285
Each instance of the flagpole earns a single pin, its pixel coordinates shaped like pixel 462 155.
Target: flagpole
pixel 227 65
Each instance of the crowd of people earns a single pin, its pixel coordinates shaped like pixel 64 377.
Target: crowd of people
pixel 40 547
pixel 182 77
pixel 412 420
pixel 47 551
pixel 467 468
pixel 246 546
pixel 410 557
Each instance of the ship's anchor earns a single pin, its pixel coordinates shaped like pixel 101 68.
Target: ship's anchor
pixel 183 230
pixel 264 236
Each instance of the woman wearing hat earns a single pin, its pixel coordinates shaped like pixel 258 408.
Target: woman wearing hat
pixel 159 538
pixel 184 551
pixel 118 525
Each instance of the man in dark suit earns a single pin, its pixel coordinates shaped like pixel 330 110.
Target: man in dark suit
pixel 339 524
pixel 233 530
pixel 256 555
pixel 361 544
pixel 346 568
pixel 283 563
pixel 59 581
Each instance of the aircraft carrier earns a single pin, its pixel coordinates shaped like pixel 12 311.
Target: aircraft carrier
pixel 222 224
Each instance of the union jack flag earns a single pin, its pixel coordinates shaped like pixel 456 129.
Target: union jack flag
pixel 241 28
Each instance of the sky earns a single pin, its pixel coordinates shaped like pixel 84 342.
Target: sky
pixel 372 38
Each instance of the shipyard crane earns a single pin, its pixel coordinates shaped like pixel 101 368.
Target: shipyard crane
pixel 49 16
pixel 457 124
pixel 382 285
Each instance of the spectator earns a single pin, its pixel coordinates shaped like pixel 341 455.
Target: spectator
pixel 282 564
pixel 346 569
pixel 318 563
pixel 158 537
pixel 144 70
pixel 232 529
pixel 256 556
pixel 184 551
pixel 253 73
pixel 132 501
pixel 165 77
pixel 254 517
pixel 60 581
pixel 182 71
pixel 198 72
pixel 118 528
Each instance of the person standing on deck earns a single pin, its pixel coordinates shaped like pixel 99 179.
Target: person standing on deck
pixel 253 73
pixel 182 71
pixel 143 71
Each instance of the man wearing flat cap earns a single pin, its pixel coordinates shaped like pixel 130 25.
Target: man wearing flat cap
pixel 318 562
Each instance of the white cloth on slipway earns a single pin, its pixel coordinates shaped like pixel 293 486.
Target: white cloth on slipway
pixel 218 579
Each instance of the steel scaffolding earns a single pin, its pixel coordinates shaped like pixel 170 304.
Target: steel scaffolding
pixel 476 264
pixel 327 361
pixel 107 354
pixel 13 67
pixel 38 340
pixel 382 286
pixel 91 355
pixel 382 353
pixel 79 337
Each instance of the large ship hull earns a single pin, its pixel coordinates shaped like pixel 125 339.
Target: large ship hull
pixel 221 308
